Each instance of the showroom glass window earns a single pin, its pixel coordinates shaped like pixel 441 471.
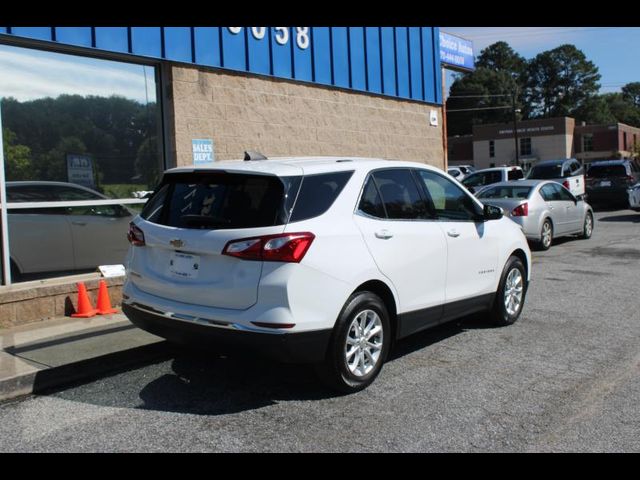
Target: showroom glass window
pixel 75 129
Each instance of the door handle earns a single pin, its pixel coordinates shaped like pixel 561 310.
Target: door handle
pixel 453 233
pixel 82 224
pixel 384 234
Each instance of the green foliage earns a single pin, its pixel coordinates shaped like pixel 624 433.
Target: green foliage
pixel 109 129
pixel 558 82
pixel 17 158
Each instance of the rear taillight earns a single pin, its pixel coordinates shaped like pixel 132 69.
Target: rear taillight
pixel 286 247
pixel 135 236
pixel 520 210
pixel 566 184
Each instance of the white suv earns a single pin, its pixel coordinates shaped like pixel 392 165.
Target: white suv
pixel 322 260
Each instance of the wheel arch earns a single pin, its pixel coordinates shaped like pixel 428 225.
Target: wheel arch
pixel 519 253
pixel 385 293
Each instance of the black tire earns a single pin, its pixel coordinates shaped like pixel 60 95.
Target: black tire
pixel 335 372
pixel 545 242
pixel 587 229
pixel 500 315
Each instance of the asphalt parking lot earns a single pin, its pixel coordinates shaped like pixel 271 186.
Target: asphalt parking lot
pixel 565 378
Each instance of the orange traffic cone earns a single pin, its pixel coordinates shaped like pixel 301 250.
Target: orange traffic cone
pixel 84 310
pixel 104 304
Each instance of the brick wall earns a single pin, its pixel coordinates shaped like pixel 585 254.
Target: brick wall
pixel 284 118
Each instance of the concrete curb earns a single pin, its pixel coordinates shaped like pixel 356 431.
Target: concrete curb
pixel 37 377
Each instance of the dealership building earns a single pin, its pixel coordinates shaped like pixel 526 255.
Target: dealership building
pixel 109 108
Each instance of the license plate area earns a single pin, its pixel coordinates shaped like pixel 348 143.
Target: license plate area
pixel 605 183
pixel 184 265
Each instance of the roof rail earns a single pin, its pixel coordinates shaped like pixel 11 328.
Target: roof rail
pixel 250 155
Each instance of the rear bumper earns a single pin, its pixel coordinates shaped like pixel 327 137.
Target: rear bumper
pixel 614 195
pixel 301 347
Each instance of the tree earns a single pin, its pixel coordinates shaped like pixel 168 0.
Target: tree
pixel 560 82
pixel 631 93
pixel 499 74
pixel 17 159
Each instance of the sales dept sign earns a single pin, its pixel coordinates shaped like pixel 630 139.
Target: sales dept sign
pixel 203 155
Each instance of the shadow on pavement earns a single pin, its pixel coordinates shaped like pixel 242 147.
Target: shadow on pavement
pixel 634 218
pixel 206 383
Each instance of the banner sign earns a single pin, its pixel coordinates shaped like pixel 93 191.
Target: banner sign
pixel 456 51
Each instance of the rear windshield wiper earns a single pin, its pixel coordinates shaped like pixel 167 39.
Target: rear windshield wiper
pixel 204 221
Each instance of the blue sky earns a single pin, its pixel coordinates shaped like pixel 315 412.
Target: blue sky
pixel 614 50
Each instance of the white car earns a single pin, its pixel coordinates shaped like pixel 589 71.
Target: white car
pixel 568 172
pixel 634 197
pixel 321 260
pixel 64 238
pixel 488 176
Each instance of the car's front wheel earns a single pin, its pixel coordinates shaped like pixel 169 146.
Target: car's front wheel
pixel 511 293
pixel 359 344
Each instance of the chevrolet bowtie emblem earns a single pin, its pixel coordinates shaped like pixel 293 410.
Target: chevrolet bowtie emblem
pixel 176 243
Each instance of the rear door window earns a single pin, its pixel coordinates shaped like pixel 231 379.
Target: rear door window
pixel 371 201
pixel 400 194
pixel 603 171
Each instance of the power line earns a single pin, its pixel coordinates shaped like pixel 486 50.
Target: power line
pixel 479 96
pixel 481 108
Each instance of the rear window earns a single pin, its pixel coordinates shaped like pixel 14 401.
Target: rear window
pixel 220 200
pixel 543 172
pixel 601 171
pixel 505 192
pixel 515 174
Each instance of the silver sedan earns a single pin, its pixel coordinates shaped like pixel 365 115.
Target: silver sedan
pixel 544 209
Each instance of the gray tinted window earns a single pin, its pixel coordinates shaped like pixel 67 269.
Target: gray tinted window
pixel 317 194
pixel 400 194
pixel 449 201
pixel 371 203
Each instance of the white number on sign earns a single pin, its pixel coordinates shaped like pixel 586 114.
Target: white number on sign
pixel 282 35
pixel 302 37
pixel 258 32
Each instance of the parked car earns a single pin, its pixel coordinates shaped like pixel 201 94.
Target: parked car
pixel 634 197
pixel 64 238
pixel 544 209
pixel 488 176
pixel 456 173
pixel 568 172
pixel 322 260
pixel 608 181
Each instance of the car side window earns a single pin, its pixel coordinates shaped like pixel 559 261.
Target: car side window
pixel 515 174
pixel 548 193
pixel 400 194
pixel 562 193
pixel 371 202
pixel 449 201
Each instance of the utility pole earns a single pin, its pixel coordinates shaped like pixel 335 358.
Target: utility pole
pixel 515 126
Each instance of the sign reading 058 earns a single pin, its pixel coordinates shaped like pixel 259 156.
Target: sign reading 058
pixel 282 34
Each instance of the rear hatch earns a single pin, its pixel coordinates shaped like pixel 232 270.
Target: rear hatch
pixel 188 222
pixel 609 177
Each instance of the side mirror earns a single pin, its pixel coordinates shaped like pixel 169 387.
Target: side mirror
pixel 491 212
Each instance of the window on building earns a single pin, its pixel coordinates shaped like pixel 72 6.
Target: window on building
pixel 492 149
pixel 75 129
pixel 587 142
pixel 525 146
pixel 624 140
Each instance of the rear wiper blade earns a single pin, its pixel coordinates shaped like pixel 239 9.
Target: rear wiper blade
pixel 205 220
